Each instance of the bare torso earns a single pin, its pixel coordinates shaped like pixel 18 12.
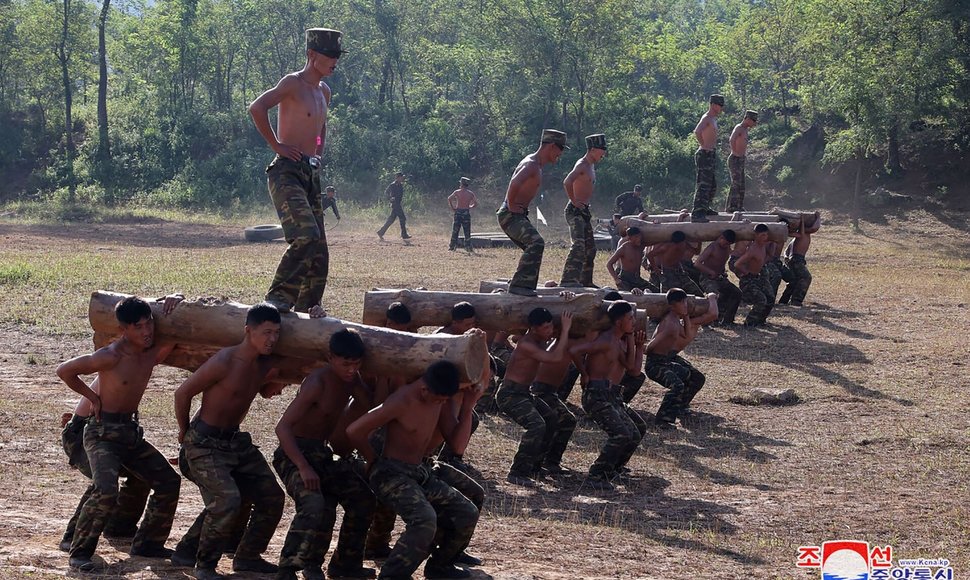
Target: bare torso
pixel 553 373
pixel 330 396
pixel 667 336
pixel 714 257
pixel 226 403
pixel 410 433
pixel 706 132
pixel 739 140
pixel 122 387
pixel 753 259
pixel 522 368
pixel 800 245
pixel 303 113
pixel 631 256
pixel 520 194
pixel 583 177
pixel 602 364
pixel 669 254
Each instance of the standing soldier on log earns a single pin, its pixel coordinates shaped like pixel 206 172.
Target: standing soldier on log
pixel 739 147
pixel 705 159
pixel 461 201
pixel 513 215
pixel 293 176
pixel 577 272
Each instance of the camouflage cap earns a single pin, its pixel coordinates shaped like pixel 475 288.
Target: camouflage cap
pixel 717 100
pixel 597 141
pixel 753 115
pixel 324 41
pixel 554 136
pixel 465 180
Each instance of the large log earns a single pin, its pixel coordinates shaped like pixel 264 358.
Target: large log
pixel 795 217
pixel 701 232
pixel 495 312
pixel 205 325
pixel 666 218
pixel 654 305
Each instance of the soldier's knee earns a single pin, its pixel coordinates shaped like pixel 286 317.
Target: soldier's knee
pixel 422 524
pixel 224 504
pixel 306 240
pixel 272 497
pixel 106 499
pixel 313 507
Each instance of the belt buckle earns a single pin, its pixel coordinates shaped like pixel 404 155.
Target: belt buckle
pixel 314 162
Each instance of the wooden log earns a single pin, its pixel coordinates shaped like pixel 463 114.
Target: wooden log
pixel 795 217
pixel 495 312
pixel 702 232
pixel 654 305
pixel 666 218
pixel 205 325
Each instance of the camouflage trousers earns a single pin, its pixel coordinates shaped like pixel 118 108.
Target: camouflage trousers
pixel 609 413
pixel 630 385
pixel 756 291
pixel 341 481
pixel 578 269
pixel 301 276
pixel 735 200
pixel 630 280
pixel 801 279
pixel 558 431
pixel 227 467
pixel 728 297
pixel 397 213
pixel 772 270
pixel 678 277
pixel 681 379
pixel 539 420
pixel 123 520
pixel 463 220
pixel 706 184
pixel 569 381
pixel 431 510
pixel 521 231
pixel 112 445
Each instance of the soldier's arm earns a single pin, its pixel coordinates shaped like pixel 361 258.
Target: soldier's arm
pixel 611 263
pixel 567 183
pixel 259 111
pixel 102 360
pixel 211 372
pixel 305 400
pixel 452 200
pixel 322 141
pixel 360 430
pixel 474 201
pixel 702 257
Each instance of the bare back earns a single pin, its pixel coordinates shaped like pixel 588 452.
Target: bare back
pixel 462 199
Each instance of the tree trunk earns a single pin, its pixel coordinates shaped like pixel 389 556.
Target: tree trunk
pixel 856 192
pixel 701 232
pixel 666 218
pixel 655 305
pixel 63 56
pixel 893 165
pixel 104 145
pixel 494 312
pixel 203 326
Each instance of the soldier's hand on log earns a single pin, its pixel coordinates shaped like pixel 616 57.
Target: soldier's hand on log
pixel 567 295
pixel 317 312
pixel 637 291
pixel 311 481
pixel 567 319
pixel 288 151
pixel 170 302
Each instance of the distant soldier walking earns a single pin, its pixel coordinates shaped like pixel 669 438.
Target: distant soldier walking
pixel 739 147
pixel 705 158
pixel 293 176
pixel 395 194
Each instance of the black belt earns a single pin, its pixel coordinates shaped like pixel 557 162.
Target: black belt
pixel 131 417
pixel 206 430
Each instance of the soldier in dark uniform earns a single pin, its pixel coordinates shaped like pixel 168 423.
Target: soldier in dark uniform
pixel 630 202
pixel 293 176
pixel 221 459
pixel 330 202
pixel 395 194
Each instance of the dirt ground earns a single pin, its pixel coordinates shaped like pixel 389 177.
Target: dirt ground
pixel 876 449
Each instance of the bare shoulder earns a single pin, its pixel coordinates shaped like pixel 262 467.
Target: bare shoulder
pixel 326 91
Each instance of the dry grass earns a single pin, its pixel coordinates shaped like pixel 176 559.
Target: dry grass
pixel 876 449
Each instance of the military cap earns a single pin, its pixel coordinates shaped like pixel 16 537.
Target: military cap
pixel 331 188
pixel 465 180
pixel 554 136
pixel 637 187
pixel 597 141
pixel 753 115
pixel 717 100
pixel 324 41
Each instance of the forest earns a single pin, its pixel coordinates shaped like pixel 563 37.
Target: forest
pixel 145 102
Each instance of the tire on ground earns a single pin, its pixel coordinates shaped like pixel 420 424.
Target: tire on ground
pixel 263 233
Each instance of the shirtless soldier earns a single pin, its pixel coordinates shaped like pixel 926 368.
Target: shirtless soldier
pixel 739 147
pixel 578 270
pixel 796 290
pixel 113 439
pixel 630 257
pixel 714 278
pixel 515 399
pixel 401 479
pixel 596 361
pixel 222 460
pixel 513 215
pixel 756 289
pixel 664 366
pixel 294 174
pixel 670 256
pixel 315 479
pixel 705 158
pixel 461 201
